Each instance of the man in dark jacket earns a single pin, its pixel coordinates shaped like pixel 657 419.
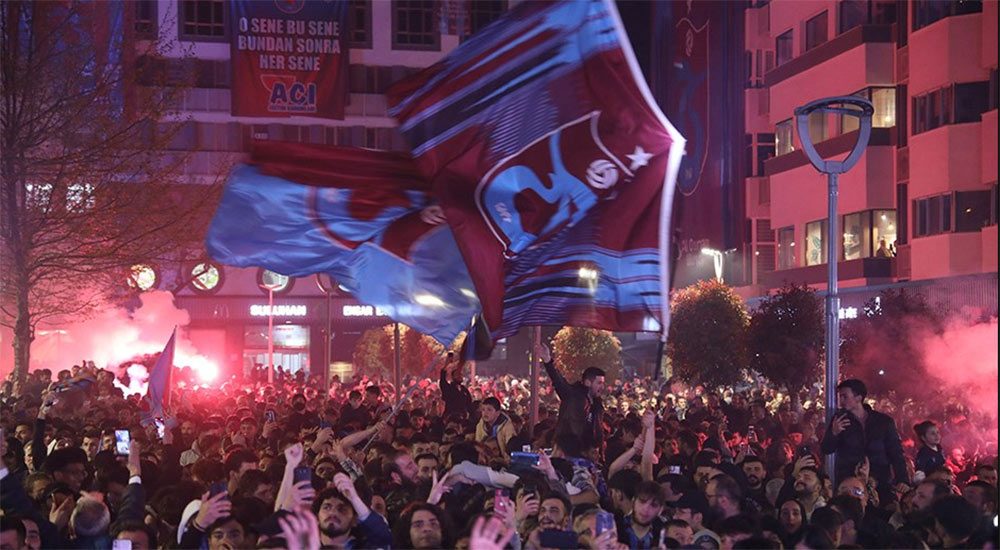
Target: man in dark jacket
pixel 857 431
pixel 456 397
pixel 581 411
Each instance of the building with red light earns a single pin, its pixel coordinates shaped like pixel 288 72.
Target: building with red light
pixel 920 208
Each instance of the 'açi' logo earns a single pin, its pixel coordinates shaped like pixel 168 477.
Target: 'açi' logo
pixel 288 95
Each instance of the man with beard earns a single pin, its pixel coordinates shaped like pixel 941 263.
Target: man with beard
pixel 345 521
pixel 553 515
pixel 404 476
pixel 808 487
pixel 754 473
pixel 581 410
pixel 641 528
pixel 723 495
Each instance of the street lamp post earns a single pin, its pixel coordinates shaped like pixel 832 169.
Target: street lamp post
pixel 862 109
pixel 271 287
pixel 328 290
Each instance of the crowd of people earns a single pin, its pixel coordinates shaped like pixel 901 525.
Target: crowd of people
pixel 609 465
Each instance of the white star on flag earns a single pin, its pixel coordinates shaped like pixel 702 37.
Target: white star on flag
pixel 639 158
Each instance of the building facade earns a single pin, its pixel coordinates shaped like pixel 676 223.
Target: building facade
pixel 230 308
pixel 920 208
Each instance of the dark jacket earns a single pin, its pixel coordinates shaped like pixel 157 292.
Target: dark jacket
pixel 579 415
pixel 877 439
pixel 456 397
pixel 928 460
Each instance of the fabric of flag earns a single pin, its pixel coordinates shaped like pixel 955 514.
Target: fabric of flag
pixel 359 216
pixel 554 165
pixel 159 383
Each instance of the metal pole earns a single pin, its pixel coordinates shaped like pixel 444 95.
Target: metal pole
pixel 326 347
pixel 832 309
pixel 270 335
pixel 395 365
pixel 536 365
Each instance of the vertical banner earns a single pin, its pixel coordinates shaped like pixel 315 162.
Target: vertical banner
pixel 697 76
pixel 289 57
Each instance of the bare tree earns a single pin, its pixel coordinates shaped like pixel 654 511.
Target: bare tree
pixel 90 184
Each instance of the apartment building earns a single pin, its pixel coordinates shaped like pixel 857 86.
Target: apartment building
pixel 920 208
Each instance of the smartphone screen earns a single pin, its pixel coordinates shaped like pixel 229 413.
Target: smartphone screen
pixel 499 502
pixel 301 473
pixel 121 544
pixel 122 440
pixel 161 429
pixel 216 488
pixel 605 522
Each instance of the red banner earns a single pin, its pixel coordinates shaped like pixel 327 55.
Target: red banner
pixel 289 58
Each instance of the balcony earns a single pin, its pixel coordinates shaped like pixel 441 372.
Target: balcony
pixel 868 270
pixel 838 145
pixel 862 34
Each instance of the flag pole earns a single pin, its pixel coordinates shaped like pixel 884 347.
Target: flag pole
pixel 536 363
pixel 399 404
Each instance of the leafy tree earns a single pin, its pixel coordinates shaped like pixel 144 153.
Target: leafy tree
pixel 884 345
pixel 576 348
pixel 88 184
pixel 374 353
pixel 708 334
pixel 787 337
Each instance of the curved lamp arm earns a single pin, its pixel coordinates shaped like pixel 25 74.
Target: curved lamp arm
pixel 842 105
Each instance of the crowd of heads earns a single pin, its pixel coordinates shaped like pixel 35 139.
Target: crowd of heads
pixel 459 464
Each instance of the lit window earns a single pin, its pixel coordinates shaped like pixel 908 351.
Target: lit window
pixel 784 134
pixel 206 277
pixel 79 196
pixel 267 279
pixel 816 235
pixel 38 195
pixel 884 231
pixel 142 277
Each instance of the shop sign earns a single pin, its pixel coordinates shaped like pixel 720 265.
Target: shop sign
pixel 280 310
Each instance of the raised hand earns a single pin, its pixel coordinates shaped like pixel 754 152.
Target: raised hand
pixel 839 424
pixel 542 351
pixel 300 530
pixel 490 534
pixel 527 506
pixel 212 509
pixel 438 488
pixel 293 455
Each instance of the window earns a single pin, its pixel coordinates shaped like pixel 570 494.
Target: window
pixel 971 101
pixel 484 12
pixel 79 196
pixel 142 277
pixel 145 17
pixel 38 195
pixel 994 204
pixel 972 210
pixel 816 31
pixel 206 277
pixel 203 19
pixel 926 12
pixel 786 248
pixel 952 104
pixel 857 236
pixel 994 92
pixel 414 25
pixel 884 101
pixel 783 47
pixel 816 236
pixel 932 216
pixel 783 137
pixel 359 24
pixel 852 13
pixel 818 127
pixel 884 233
pixel 267 279
pixel 765 151
pixel 902 205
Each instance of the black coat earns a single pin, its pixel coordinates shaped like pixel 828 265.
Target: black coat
pixel 928 460
pixel 574 418
pixel 877 439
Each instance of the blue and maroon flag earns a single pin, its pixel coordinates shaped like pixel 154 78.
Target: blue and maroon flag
pixel 159 383
pixel 364 217
pixel 554 166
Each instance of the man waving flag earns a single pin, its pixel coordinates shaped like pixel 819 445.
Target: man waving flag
pixel 554 166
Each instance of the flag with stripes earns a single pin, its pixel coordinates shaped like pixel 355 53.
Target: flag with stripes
pixel 554 166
